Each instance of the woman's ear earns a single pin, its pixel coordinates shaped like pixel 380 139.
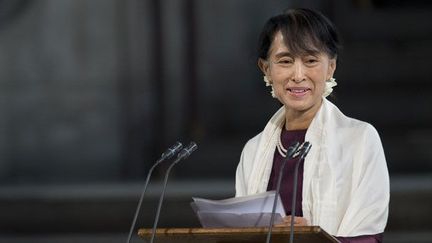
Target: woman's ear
pixel 264 66
pixel 332 67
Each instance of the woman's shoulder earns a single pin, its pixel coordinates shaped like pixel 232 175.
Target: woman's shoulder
pixel 340 120
pixel 346 128
pixel 252 144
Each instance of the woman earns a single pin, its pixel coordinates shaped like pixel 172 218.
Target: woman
pixel 343 183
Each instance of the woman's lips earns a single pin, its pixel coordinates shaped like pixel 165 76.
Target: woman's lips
pixel 298 92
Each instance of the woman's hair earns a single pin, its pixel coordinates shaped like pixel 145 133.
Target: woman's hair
pixel 304 31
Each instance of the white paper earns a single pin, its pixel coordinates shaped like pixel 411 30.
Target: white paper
pixel 247 211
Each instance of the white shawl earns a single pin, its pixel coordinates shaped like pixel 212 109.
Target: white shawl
pixel 345 178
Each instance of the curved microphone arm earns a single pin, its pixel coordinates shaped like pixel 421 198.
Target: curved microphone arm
pixel 181 155
pixel 305 148
pixel 170 152
pixel 290 154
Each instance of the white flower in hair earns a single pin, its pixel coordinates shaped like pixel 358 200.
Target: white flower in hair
pixel 329 84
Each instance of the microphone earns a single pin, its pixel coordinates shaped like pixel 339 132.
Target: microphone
pixel 305 148
pixel 170 152
pixel 290 154
pixel 186 152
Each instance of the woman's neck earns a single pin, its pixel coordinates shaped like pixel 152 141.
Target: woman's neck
pixel 299 120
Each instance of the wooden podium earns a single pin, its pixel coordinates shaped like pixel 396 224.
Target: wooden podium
pixel 302 234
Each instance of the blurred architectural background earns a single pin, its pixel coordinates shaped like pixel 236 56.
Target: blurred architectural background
pixel 91 92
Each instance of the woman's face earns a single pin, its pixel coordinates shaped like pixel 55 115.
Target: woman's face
pixel 298 81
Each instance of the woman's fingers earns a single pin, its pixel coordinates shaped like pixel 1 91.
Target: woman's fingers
pixel 298 221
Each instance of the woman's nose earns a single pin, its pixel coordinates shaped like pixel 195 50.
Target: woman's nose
pixel 299 72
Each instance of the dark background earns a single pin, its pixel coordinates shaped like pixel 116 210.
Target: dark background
pixel 91 93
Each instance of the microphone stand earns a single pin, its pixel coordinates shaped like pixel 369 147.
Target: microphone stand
pixel 167 155
pixel 182 155
pixel 291 151
pixel 305 150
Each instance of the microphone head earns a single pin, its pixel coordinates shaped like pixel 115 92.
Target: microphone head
pixel 171 151
pixel 188 150
pixel 192 147
pixel 305 149
pixel 292 149
pixel 177 146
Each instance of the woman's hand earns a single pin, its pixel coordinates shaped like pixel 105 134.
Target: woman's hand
pixel 298 221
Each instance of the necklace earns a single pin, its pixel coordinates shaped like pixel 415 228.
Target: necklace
pixel 280 148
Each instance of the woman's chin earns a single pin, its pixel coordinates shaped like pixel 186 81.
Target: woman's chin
pixel 298 105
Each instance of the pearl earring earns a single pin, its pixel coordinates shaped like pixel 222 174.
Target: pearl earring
pixel 268 83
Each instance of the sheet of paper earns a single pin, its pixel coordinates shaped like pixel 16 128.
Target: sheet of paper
pixel 248 211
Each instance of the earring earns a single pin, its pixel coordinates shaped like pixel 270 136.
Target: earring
pixel 268 83
pixel 329 84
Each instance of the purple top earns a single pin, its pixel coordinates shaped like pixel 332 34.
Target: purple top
pixel 286 189
pixel 288 138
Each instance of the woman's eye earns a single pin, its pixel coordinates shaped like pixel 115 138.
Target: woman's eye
pixel 311 60
pixel 284 61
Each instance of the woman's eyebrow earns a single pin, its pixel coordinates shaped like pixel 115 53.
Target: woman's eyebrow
pixel 305 53
pixel 313 52
pixel 283 54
